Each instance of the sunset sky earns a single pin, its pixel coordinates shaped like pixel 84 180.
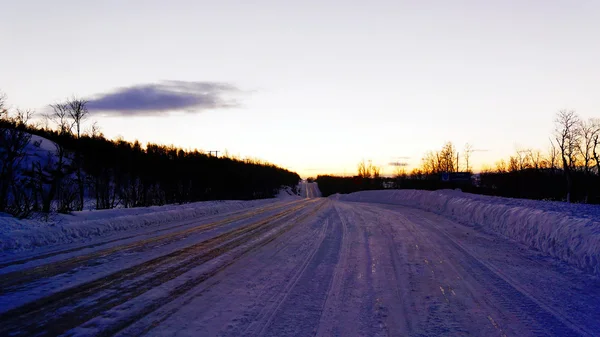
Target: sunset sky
pixel 313 86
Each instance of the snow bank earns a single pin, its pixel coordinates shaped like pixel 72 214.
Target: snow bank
pixel 286 192
pixel 17 235
pixel 569 232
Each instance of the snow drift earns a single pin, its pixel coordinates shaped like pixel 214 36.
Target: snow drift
pixel 570 232
pixel 18 235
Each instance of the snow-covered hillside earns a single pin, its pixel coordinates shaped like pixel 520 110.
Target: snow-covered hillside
pixel 570 232
pixel 40 150
pixel 33 170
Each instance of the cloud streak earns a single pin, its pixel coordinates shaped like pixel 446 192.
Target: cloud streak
pixel 398 164
pixel 161 98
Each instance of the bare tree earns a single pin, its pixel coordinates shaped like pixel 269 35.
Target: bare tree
pixel 448 158
pixel 467 154
pixel 69 116
pixel 522 159
pixel 400 172
pixel 536 159
pixel 78 112
pixel 23 117
pixel 77 109
pixel 14 139
pixel 553 154
pixel 429 163
pixel 501 166
pixel 363 170
pixel 587 131
pixel 60 116
pixel 596 144
pixel 374 171
pixel 567 140
pixel 93 131
pixel 445 160
pixel 514 164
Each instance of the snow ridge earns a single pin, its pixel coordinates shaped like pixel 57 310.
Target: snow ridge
pixel 568 232
pixel 84 226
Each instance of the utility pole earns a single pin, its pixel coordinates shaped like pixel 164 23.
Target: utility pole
pixel 216 153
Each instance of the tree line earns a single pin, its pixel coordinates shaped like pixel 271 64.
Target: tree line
pixel 569 170
pixel 85 169
pixel 368 178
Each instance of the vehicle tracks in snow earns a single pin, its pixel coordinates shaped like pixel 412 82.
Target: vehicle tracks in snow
pixel 537 312
pixel 12 281
pixel 266 315
pixel 303 297
pixel 485 290
pixel 321 268
pixel 63 310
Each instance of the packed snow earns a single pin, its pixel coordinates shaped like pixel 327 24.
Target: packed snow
pixel 570 232
pixel 297 266
pixel 85 226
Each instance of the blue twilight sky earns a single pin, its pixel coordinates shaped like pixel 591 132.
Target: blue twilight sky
pixel 314 86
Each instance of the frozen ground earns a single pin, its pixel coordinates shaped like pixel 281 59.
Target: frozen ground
pixel 300 267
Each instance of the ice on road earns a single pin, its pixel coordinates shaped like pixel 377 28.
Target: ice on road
pixel 301 267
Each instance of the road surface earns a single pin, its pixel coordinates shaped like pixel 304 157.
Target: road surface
pixel 305 267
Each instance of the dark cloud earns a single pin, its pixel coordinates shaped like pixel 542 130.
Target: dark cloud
pixel 398 163
pixel 160 98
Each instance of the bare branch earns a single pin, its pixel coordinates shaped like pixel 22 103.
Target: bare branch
pixel 60 116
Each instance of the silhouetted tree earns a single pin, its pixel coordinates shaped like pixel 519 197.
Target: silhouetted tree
pixel 567 140
pixel 467 154
pixel 596 147
pixel 60 117
pixel 363 170
pixel 13 143
pixel 586 131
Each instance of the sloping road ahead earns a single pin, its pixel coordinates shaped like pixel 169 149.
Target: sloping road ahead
pixel 301 268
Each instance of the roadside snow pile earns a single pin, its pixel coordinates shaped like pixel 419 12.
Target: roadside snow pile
pixel 286 192
pixel 570 232
pixel 17 235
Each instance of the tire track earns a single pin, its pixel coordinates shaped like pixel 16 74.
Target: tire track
pixel 544 314
pixel 190 284
pixel 514 300
pixel 441 278
pixel 194 282
pixel 398 282
pixel 13 281
pixel 334 292
pixel 430 312
pixel 265 316
pixel 272 261
pixel 51 314
pixel 246 213
pixel 297 308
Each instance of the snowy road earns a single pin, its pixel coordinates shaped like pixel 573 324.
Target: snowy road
pixel 301 267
